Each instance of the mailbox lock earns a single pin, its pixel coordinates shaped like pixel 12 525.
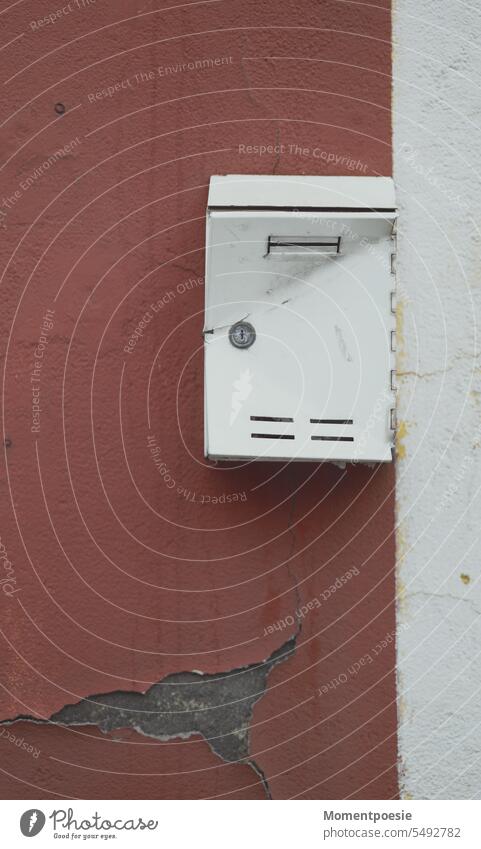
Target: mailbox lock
pixel 242 335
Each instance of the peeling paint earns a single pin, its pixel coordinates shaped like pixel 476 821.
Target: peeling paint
pixel 218 707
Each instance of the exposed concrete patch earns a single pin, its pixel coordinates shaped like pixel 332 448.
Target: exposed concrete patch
pixel 219 707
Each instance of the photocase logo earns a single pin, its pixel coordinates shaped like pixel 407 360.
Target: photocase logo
pixel 32 822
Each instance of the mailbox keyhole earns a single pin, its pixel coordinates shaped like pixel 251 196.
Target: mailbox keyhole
pixel 242 335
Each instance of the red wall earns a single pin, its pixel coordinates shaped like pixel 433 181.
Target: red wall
pixel 119 576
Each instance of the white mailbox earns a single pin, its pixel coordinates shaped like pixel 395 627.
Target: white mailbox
pixel 299 318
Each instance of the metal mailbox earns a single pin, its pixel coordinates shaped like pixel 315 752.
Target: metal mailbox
pixel 299 329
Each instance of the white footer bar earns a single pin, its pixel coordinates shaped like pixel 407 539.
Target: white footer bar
pixel 238 824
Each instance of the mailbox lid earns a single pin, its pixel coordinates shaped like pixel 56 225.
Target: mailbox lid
pixel 301 192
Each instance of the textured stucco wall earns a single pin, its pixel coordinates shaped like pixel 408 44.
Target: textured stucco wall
pixel 126 572
pixel 436 113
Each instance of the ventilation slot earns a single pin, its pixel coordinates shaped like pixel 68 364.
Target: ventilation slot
pixel 333 438
pixel 332 421
pixel 270 419
pixel 318 438
pixel 271 436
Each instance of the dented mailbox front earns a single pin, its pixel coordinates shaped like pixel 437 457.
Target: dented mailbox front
pixel 299 318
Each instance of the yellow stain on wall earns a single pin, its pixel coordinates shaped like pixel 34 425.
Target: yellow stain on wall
pixel 402 548
pixel 401 594
pixel 401 433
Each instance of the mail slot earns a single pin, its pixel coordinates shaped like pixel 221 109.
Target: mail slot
pixel 285 246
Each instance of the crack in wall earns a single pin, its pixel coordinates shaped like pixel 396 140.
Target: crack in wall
pixel 218 706
pixel 442 596
pixel 292 529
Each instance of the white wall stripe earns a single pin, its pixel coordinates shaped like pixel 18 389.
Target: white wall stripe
pixel 437 164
